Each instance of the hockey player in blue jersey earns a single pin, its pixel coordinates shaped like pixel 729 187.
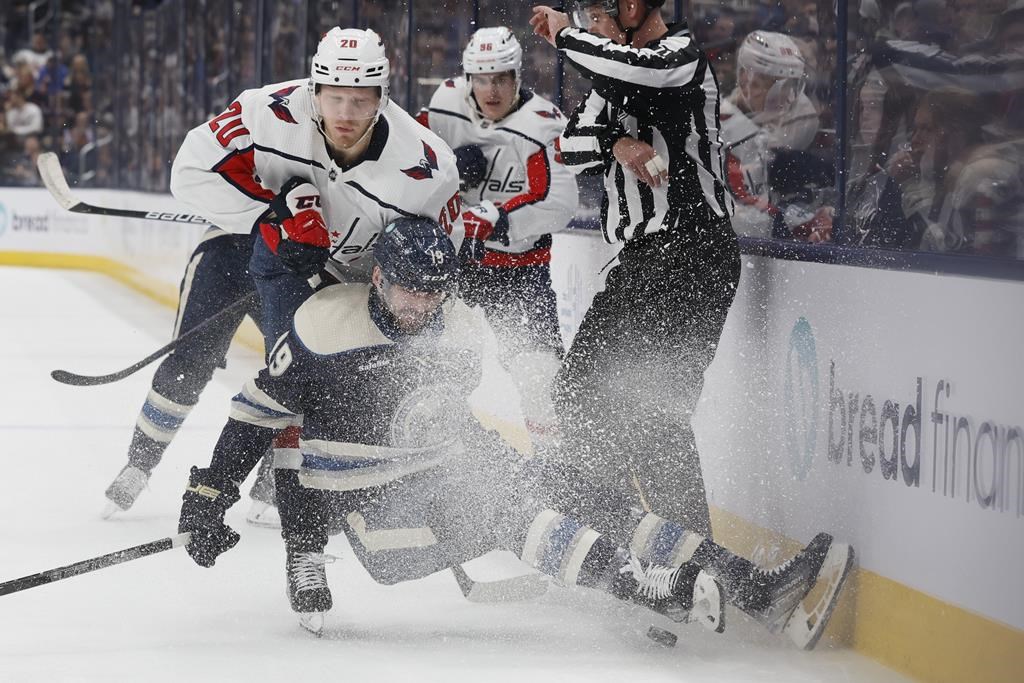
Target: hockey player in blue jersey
pixel 391 454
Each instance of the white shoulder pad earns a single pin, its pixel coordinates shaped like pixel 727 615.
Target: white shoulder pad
pixel 451 96
pixel 279 109
pixel 422 164
pixel 538 119
pixel 736 126
pixel 464 326
pixel 337 319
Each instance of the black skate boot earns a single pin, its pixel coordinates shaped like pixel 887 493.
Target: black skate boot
pixel 817 573
pixel 307 587
pixel 685 594
pixel 125 488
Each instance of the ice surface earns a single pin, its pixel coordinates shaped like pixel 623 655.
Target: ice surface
pixel 163 618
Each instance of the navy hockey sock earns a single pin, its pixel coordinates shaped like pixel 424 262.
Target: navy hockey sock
pixel 157 424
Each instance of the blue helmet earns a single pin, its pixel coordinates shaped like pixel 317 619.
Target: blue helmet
pixel 416 253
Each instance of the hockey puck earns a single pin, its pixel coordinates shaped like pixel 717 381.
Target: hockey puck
pixel 662 637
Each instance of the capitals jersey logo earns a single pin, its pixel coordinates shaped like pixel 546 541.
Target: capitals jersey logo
pixel 553 114
pixel 279 105
pixel 425 169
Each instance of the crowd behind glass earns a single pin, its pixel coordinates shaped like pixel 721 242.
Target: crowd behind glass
pixel 926 156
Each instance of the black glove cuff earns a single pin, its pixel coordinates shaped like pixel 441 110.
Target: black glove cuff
pixel 500 233
pixel 211 488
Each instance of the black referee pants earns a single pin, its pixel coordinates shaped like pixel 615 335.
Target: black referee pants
pixel 630 381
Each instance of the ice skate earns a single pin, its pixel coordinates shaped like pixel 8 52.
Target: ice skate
pixel 263 509
pixel 307 588
pixel 820 568
pixel 685 594
pixel 312 622
pixel 125 488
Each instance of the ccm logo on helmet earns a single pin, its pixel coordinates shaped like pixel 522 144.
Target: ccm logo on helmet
pixel 347 67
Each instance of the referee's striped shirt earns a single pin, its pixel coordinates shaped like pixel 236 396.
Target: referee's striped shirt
pixel 664 94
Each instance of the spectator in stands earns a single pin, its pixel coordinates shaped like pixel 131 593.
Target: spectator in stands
pixel 36 55
pixel 914 201
pixel 23 167
pixel 78 85
pixel 23 118
pixel 51 79
pixel 9 149
pixel 932 23
pixel 719 40
pixel 25 83
pixel 6 73
pixel 74 140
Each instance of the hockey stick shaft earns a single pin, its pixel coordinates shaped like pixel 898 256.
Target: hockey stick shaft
pixel 52 175
pixel 65 377
pixel 512 589
pixel 92 564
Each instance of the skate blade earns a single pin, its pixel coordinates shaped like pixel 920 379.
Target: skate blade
pixel 312 622
pixel 808 621
pixel 263 516
pixel 708 607
pixel 110 510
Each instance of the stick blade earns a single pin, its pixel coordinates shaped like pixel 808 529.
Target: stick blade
pixel 65 377
pixel 53 178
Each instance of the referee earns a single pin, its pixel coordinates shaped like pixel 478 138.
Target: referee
pixel 630 382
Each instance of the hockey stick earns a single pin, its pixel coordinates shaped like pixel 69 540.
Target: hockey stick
pixel 91 565
pixel 53 178
pixel 65 377
pixel 514 589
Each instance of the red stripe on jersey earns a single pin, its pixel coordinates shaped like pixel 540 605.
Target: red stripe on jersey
pixel 504 259
pixel 423 118
pixel 538 176
pixel 288 437
pixel 239 169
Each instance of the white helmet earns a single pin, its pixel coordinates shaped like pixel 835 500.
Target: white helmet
pixel 774 55
pixel 350 57
pixel 493 50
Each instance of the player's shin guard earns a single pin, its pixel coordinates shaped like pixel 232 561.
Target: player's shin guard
pixel 157 424
pixel 772 597
pixel 577 555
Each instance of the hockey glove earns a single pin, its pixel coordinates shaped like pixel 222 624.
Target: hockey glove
pixel 207 497
pixel 472 165
pixel 483 222
pixel 299 235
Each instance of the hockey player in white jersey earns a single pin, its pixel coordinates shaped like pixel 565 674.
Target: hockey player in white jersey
pixel 767 122
pixel 302 176
pixel 391 454
pixel 318 166
pixel 516 193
